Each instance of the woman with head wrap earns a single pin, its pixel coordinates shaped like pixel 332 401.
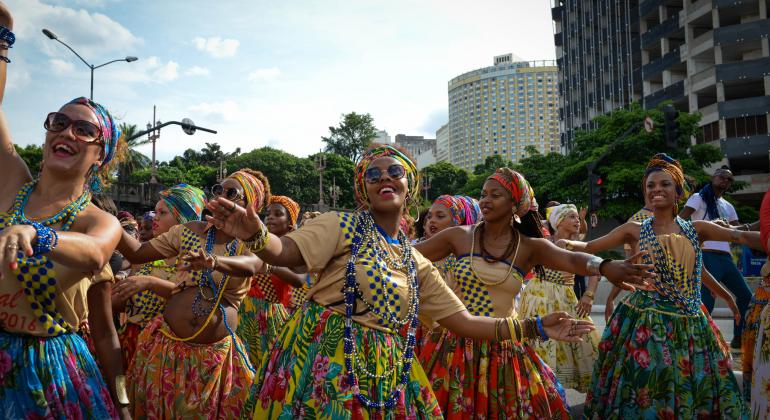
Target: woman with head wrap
pixel 342 355
pixel 141 296
pixel 188 361
pixel 659 357
pixel 53 243
pixel 551 291
pixel 263 312
pixel 478 377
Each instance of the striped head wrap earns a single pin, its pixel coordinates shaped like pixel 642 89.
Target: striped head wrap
pixel 557 214
pixel 465 210
pixel 412 175
pixel 521 191
pixel 671 166
pixel 291 206
pixel 255 187
pixel 110 133
pixel 185 202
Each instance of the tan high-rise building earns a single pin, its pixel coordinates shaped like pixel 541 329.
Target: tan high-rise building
pixel 502 109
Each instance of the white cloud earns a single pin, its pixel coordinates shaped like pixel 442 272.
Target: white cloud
pixel 216 46
pixel 197 71
pixel 264 75
pixel 60 66
pixel 166 72
pixel 226 111
pixel 144 70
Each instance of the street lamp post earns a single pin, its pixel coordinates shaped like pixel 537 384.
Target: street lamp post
pixel 334 192
pixel 53 36
pixel 426 186
pixel 320 165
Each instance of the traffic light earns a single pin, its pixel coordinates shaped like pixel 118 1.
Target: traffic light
pixel 671 130
pixel 595 191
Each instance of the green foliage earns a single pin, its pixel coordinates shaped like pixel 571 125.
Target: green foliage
pixel 445 178
pixel 351 138
pixel 32 156
pixel 134 160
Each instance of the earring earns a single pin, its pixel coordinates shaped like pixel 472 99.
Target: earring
pixel 94 183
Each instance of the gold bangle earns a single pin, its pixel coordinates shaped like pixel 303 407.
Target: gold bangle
pixel 497 329
pixel 518 329
pixel 569 245
pixel 120 390
pixel 512 329
pixel 589 293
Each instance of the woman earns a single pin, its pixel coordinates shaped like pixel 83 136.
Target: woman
pixel 342 355
pixel 188 361
pixel 47 268
pixel 136 295
pixel 572 363
pixel 658 355
pixel 758 328
pixel 475 377
pixel 263 312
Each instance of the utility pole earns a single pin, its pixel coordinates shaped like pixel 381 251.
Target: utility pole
pixel 320 165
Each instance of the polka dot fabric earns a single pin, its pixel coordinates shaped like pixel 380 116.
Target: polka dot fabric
pixel 473 293
pixel 559 277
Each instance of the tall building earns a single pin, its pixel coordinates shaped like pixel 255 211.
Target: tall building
pixel 501 109
pixel 442 144
pixel 415 145
pixel 382 137
pixel 706 56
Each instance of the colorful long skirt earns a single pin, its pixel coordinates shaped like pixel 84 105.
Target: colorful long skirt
pixel 483 379
pixel 572 363
pixel 304 376
pixel 128 336
pixel 259 323
pixel 760 381
pixel 51 377
pixel 749 337
pixel 657 362
pixel 175 379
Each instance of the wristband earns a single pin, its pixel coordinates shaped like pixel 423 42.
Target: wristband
pixel 606 260
pixel 540 329
pixel 589 294
pixel 120 390
pixel 593 264
pixel 47 239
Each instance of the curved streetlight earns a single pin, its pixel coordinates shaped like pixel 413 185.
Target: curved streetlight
pixel 53 37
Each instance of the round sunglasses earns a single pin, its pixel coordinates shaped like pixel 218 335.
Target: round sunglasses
pixel 231 194
pixel 84 131
pixel 373 174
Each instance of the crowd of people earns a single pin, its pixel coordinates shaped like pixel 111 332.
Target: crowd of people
pixel 231 303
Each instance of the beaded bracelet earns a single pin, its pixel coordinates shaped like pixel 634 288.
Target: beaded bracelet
pixel 47 239
pixel 543 335
pixel 7 36
pixel 259 242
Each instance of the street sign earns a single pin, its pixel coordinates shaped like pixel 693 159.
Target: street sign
pixel 649 125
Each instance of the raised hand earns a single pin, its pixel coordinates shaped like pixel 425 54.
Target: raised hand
pixel 129 286
pixel 234 220
pixel 628 275
pixel 583 307
pixel 12 240
pixel 561 326
pixel 198 260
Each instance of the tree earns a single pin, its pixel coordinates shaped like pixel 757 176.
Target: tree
pixel 133 160
pixel 445 178
pixel 289 175
pixel 351 138
pixel 482 171
pixel 32 156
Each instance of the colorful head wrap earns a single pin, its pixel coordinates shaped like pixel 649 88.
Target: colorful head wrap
pixel 108 128
pixel 185 202
pixel 412 175
pixel 465 210
pixel 291 206
pixel 671 166
pixel 557 214
pixel 253 188
pixel 521 191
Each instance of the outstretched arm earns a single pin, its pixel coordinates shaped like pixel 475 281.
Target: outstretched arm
pixel 441 244
pixel 708 231
pixel 558 325
pixel 624 234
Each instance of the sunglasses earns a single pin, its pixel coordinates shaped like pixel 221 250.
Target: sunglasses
pixel 373 174
pixel 231 194
pixel 84 131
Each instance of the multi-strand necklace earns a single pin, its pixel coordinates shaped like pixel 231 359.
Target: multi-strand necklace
pixel 65 216
pixel 366 239
pixel 509 250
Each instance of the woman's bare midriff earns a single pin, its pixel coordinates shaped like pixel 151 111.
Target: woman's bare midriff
pixel 179 317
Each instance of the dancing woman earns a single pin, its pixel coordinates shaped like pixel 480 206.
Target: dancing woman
pixel 52 243
pixel 760 332
pixel 552 291
pixel 188 362
pixel 341 355
pixel 142 295
pixel 263 312
pixel 658 355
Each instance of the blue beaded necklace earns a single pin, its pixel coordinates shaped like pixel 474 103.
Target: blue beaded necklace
pixel 364 227
pixel 66 215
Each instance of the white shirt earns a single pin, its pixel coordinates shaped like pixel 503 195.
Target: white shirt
pixel 726 211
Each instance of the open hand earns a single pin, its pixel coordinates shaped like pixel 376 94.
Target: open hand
pixel 197 260
pixel 561 326
pixel 628 275
pixel 583 307
pixel 129 286
pixel 14 239
pixel 234 220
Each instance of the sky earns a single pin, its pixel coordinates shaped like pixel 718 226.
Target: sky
pixel 261 73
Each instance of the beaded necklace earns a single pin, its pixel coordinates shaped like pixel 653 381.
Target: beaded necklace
pixel 362 241
pixel 36 273
pixel 510 269
pixel 684 292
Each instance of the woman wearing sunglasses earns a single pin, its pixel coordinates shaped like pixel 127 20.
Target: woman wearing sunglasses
pixel 142 295
pixel 342 354
pixel 52 243
pixel 188 361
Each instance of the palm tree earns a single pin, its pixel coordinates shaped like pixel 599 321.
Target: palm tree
pixel 134 159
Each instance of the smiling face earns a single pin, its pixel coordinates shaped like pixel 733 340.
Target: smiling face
pixel 437 219
pixel 163 220
pixel 661 190
pixel 64 154
pixel 570 224
pixel 495 201
pixel 386 194
pixel 277 220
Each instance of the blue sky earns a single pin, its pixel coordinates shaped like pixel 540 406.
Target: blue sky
pixel 262 73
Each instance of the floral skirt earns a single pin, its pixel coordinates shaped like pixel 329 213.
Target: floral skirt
pixel 483 379
pixel 174 379
pixel 304 376
pixel 749 337
pixel 572 363
pixel 760 385
pixel 657 362
pixel 259 323
pixel 52 378
pixel 128 336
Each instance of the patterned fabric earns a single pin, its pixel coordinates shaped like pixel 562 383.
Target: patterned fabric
pixel 51 377
pixel 303 375
pixel 291 206
pixel 465 210
pixel 174 379
pixel 110 131
pixel 259 323
pixel 412 174
pixel 298 297
pixel 758 303
pixel 572 363
pixel 185 202
pixel 128 336
pixel 641 216
pixel 254 188
pixel 557 214
pixel 522 193
pixel 760 385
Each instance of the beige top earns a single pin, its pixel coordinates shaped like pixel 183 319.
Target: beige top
pixel 180 240
pixel 487 289
pixel 325 247
pixel 145 305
